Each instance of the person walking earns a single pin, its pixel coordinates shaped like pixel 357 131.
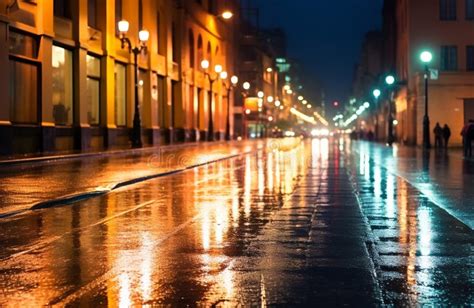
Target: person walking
pixel 467 134
pixel 446 135
pixel 438 132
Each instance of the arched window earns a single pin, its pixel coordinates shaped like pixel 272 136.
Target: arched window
pixel 216 55
pixel 209 52
pixel 191 49
pixel 200 51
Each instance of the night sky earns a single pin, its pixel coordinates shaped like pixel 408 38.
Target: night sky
pixel 325 36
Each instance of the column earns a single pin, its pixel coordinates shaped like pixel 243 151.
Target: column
pixel 6 131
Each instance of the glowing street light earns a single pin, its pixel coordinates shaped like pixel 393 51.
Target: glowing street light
pixel 426 57
pixel 228 86
pixel 390 80
pixel 143 36
pixel 218 73
pixel 260 94
pixel 376 93
pixel 270 99
pixel 246 85
pixel 227 15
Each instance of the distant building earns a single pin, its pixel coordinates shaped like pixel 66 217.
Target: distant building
pixel 258 53
pixel 446 28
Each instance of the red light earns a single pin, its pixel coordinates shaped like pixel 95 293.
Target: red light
pixel 336 104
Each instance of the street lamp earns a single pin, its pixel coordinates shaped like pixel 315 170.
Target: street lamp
pixel 376 93
pixel 426 58
pixel 390 80
pixel 143 37
pixel 233 83
pixel 217 70
pixel 246 87
pixel 227 15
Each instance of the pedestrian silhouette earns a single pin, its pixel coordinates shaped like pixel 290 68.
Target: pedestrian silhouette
pixel 446 135
pixel 467 134
pixel 370 135
pixel 438 132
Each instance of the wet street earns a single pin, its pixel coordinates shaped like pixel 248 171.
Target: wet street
pixel 284 222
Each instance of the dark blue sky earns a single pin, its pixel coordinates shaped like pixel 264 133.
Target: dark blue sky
pixel 325 36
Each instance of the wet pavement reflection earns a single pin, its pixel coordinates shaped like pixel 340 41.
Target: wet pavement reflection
pixel 291 223
pixel 24 185
pixel 424 255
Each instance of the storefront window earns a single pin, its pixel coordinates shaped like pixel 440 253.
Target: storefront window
pixel 62 86
pixel 120 95
pixel 23 92
pixel 93 90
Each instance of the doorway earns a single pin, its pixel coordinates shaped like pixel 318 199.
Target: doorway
pixel 468 109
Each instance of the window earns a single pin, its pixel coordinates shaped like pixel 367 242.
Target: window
pixel 92 13
pixel 470 58
pixel 191 49
pixel 140 14
pixel 23 87
pixel 93 90
pixel 23 44
pixel 23 92
pixel 174 42
pixel 62 86
pixel 118 15
pixel 449 58
pixel 62 8
pixel 470 9
pixel 212 7
pixel 447 9
pixel 118 11
pixel 162 101
pixel 120 94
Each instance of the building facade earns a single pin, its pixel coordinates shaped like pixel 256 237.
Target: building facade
pixel 67 83
pixel 445 28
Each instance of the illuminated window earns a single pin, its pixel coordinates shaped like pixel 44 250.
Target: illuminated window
pixel 93 90
pixel 62 86
pixel 120 94
pixel 447 9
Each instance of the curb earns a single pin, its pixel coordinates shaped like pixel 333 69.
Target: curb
pixel 20 161
pixel 71 199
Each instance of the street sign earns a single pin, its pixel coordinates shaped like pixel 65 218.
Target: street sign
pixel 434 74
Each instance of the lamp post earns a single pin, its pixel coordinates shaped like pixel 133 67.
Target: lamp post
pixel 143 36
pixel 390 80
pixel 217 70
pixel 246 87
pixel 261 96
pixel 228 86
pixel 426 58
pixel 376 93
